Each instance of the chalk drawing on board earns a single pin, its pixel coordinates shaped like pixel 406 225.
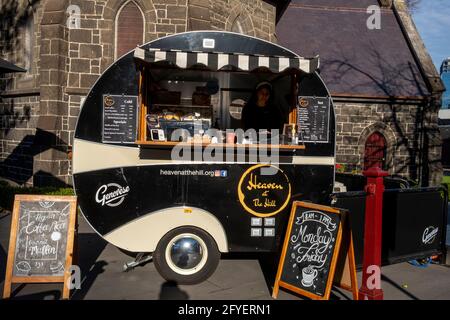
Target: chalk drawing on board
pixel 308 276
pixel 66 210
pixel 56 235
pixel 46 204
pixel 24 216
pixel 56 267
pixel 23 266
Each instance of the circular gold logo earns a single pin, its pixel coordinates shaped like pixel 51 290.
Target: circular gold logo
pixel 264 190
pixel 303 103
pixel 109 101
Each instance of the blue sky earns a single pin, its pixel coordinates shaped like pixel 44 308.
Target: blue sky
pixel 432 19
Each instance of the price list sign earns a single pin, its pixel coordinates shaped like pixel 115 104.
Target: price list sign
pixel 313 114
pixel 41 241
pixel 119 118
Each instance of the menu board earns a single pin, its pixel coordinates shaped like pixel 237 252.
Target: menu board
pixel 41 241
pixel 310 250
pixel 313 117
pixel 119 118
pixel 41 238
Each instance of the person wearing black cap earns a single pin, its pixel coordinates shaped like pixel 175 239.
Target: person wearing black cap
pixel 260 113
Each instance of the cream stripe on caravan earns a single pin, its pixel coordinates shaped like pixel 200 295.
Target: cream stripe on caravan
pixel 92 156
pixel 135 236
pixel 320 161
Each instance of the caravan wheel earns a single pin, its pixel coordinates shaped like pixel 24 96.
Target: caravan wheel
pixel 186 255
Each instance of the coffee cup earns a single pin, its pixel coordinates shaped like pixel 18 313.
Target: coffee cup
pixel 309 274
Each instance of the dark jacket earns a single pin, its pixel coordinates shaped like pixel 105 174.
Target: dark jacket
pixel 261 118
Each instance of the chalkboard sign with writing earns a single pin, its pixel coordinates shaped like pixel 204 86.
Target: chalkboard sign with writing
pixel 313 115
pixel 41 242
pixel 310 250
pixel 119 118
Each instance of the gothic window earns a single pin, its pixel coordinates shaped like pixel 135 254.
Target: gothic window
pixel 240 22
pixel 28 44
pixel 129 28
pixel 237 25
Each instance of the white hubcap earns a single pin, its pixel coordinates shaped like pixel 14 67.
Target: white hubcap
pixel 186 254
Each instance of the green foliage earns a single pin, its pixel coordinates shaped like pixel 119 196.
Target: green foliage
pixel 446 183
pixel 347 168
pixel 8 192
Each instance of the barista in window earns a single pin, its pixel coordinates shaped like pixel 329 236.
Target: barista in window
pixel 260 113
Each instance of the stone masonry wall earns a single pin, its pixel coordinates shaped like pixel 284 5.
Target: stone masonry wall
pixel 18 122
pixel 19 100
pixel 401 126
pixel 257 18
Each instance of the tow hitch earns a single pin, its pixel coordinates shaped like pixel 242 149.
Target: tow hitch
pixel 140 259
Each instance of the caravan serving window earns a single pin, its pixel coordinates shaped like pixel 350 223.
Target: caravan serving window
pixel 203 92
pixel 205 105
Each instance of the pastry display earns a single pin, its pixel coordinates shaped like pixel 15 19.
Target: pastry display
pixel 194 117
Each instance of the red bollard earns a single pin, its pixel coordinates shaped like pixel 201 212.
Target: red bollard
pixel 371 277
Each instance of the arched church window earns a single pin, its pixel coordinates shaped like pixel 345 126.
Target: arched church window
pixel 129 28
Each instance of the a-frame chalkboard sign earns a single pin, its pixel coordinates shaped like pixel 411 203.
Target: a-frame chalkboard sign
pixel 345 271
pixel 41 241
pixel 311 250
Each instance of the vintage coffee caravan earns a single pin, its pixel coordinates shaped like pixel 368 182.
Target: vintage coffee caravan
pixel 188 197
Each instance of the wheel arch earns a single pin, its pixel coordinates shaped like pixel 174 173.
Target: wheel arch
pixel 144 233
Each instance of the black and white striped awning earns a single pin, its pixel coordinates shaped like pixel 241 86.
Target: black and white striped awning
pixel 218 61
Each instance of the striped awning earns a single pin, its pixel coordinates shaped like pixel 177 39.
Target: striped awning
pixel 216 61
pixel 8 67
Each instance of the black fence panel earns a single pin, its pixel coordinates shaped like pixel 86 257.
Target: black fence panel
pixel 355 203
pixel 355 182
pixel 414 222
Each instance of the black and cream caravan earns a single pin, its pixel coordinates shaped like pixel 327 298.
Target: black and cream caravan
pixel 187 210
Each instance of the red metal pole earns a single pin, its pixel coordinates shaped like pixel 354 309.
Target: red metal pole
pixel 371 276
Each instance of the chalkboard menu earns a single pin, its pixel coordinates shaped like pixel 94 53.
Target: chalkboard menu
pixel 313 117
pixel 41 241
pixel 310 250
pixel 119 118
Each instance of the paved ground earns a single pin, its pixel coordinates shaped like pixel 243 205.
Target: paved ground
pixel 237 277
